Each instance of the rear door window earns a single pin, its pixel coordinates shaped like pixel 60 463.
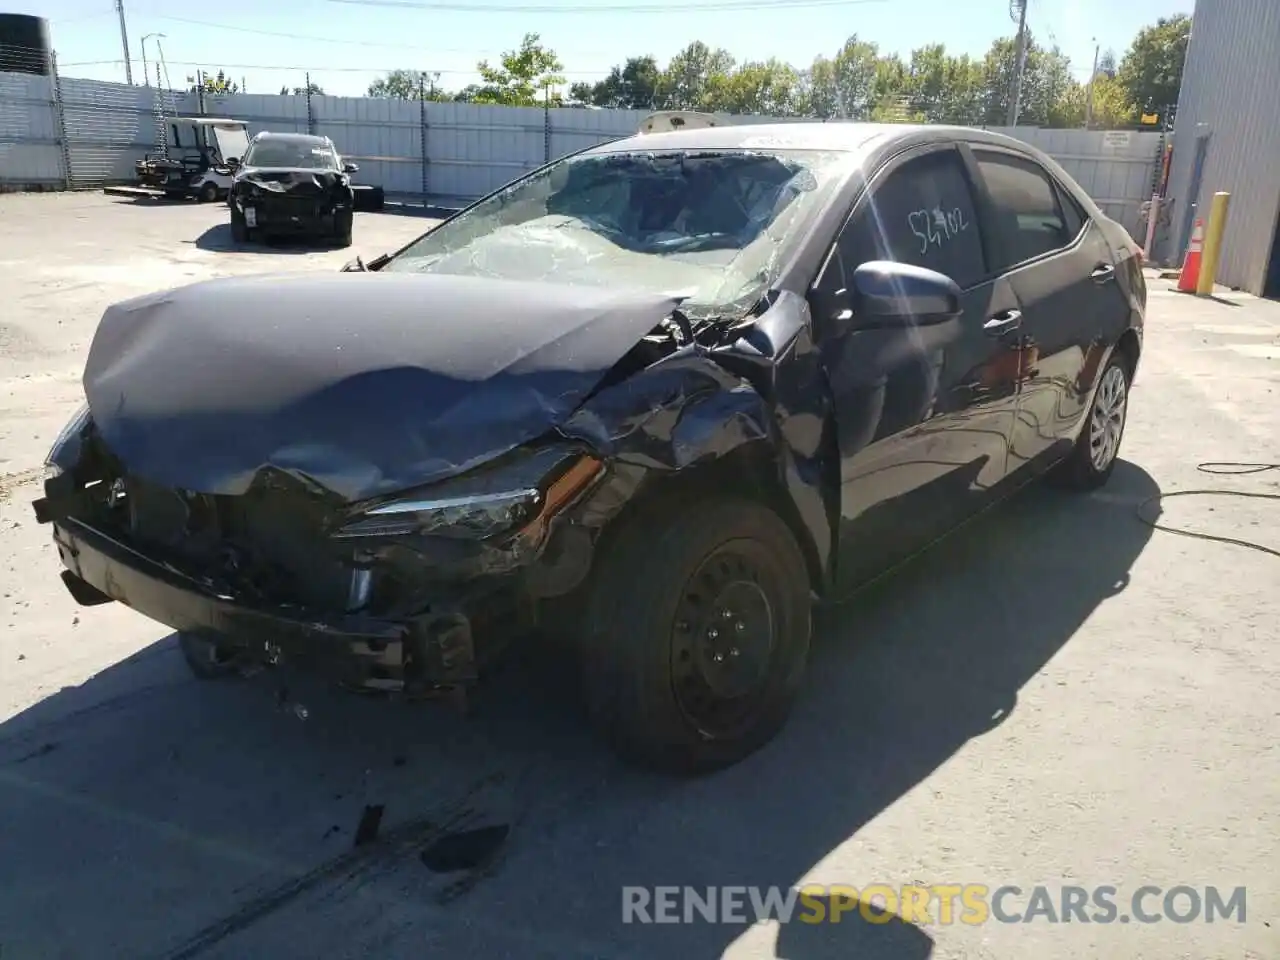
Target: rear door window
pixel 921 213
pixel 1029 217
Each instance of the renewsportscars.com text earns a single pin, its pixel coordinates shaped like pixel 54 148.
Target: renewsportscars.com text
pixel 943 904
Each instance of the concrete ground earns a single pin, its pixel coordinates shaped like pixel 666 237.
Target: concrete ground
pixel 1059 695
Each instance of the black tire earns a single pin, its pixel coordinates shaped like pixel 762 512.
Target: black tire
pixel 206 657
pixel 239 232
pixel 653 647
pixel 208 193
pixel 342 226
pixel 1102 433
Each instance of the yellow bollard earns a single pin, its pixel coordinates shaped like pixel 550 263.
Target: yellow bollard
pixel 1216 226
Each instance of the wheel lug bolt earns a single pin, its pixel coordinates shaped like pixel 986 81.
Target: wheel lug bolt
pixel 739 627
pixel 726 614
pixel 713 633
pixel 718 658
pixel 733 651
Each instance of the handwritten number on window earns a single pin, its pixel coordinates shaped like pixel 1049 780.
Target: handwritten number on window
pixel 937 226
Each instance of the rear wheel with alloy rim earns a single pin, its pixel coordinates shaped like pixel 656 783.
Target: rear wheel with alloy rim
pixel 1094 456
pixel 697 635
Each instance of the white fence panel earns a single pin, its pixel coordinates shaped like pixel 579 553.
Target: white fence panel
pixel 30 143
pixel 108 126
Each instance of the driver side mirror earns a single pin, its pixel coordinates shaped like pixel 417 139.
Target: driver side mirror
pixel 889 294
pixel 350 168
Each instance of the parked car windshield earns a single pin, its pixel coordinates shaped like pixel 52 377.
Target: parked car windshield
pixel 291 153
pixel 714 227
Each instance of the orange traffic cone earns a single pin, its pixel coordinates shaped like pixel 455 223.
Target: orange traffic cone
pixel 1191 262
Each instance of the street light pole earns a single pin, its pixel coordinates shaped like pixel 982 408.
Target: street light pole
pixel 146 77
pixel 124 42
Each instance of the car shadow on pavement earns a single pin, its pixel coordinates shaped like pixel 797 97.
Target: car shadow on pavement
pixel 223 822
pixel 217 239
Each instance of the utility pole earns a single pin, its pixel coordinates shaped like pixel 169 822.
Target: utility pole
pixel 1016 103
pixel 1088 114
pixel 124 41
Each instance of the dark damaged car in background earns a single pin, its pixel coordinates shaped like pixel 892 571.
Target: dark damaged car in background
pixel 656 397
pixel 295 185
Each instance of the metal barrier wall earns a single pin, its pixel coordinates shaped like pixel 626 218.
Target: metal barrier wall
pixel 424 150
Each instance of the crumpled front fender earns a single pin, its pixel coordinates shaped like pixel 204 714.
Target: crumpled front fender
pixel 691 410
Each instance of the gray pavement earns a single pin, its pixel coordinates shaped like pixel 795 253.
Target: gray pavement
pixel 1057 695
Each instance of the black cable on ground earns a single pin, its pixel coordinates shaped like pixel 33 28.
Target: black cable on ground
pixel 1221 467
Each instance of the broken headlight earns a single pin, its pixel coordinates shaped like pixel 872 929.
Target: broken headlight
pixel 65 452
pixel 523 493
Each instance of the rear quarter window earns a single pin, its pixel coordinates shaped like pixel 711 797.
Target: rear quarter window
pixel 1032 215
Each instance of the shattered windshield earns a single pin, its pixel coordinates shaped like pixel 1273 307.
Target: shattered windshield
pixel 294 154
pixel 714 227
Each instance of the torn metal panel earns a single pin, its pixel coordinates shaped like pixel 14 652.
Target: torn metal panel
pixel 700 404
pixel 203 387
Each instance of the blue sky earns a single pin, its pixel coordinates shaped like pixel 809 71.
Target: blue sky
pixel 294 36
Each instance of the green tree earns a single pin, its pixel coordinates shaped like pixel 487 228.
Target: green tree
pixel 633 86
pixel 1151 70
pixel 314 89
pixel 407 85
pixel 522 78
pixel 1046 82
pixel 1111 104
pixel 767 88
pixel 858 78
pixel 216 84
pixel 816 90
pixel 689 75
pixel 942 88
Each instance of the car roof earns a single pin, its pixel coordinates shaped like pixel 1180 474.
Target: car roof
pixel 210 121
pixel 839 136
pixel 292 137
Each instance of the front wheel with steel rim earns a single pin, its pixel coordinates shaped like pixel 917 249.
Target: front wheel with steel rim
pixel 1094 456
pixel 698 635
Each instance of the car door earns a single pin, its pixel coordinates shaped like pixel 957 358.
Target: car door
pixel 923 416
pixel 1062 270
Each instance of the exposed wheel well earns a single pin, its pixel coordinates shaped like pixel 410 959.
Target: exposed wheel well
pixel 1128 347
pixel 748 471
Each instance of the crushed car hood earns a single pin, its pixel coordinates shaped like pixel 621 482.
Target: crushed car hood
pixel 363 383
pixel 291 181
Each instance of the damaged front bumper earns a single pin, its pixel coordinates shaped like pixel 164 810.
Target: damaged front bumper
pixel 413 654
pixel 293 214
pixel 394 595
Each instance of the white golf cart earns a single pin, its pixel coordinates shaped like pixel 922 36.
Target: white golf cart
pixel 195 163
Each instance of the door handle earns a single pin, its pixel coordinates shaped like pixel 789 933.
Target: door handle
pixel 1103 272
pixel 1002 323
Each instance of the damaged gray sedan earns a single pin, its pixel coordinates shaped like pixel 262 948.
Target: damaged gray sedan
pixel 656 396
